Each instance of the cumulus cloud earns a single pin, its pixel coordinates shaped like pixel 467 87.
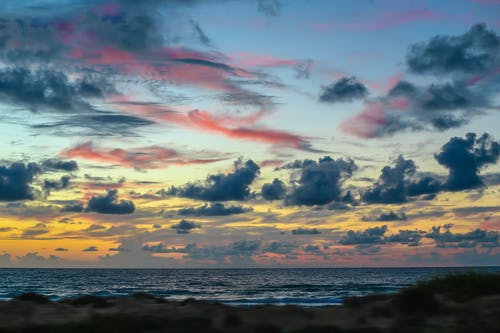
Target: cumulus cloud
pixel 280 247
pixel 321 182
pixel 109 204
pixel 222 187
pixel 465 157
pixel 274 191
pixel 396 183
pixel 49 185
pixel 469 64
pixel 16 180
pixel 369 236
pixel 73 208
pixel 408 237
pixel 214 209
pixel 306 231
pixel 470 239
pixel 345 89
pixel 59 165
pixel 385 216
pixel 185 226
pixel 474 51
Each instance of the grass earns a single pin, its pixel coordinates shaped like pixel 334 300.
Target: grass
pixel 459 287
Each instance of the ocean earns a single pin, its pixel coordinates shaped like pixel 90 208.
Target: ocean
pixel 306 286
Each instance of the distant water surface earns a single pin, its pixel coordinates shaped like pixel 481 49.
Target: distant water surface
pixel 310 287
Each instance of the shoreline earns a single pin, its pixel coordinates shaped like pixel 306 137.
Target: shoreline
pixel 454 303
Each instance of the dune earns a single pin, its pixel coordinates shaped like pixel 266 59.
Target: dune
pixel 455 303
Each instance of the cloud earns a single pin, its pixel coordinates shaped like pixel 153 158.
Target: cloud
pixel 474 51
pixel 274 191
pixel 280 247
pixel 16 180
pixel 49 185
pixel 469 63
pixel 396 183
pixel 140 158
pixel 306 231
pixel 73 208
pixel 47 89
pixel 465 157
pixel 385 216
pixel 36 230
pixel 61 249
pixel 369 236
pixel 222 187
pixel 269 7
pixel 470 239
pixel 408 237
pixel 185 226
pixel 321 182
pixel 214 209
pixel 200 34
pixel 109 204
pixel 59 165
pixel 90 249
pixel 345 89
pixel 96 124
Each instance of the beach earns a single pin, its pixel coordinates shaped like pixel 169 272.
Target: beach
pixel 457 303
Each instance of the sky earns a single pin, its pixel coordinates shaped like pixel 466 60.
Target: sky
pixel 249 133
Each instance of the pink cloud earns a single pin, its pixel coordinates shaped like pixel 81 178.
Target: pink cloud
pixel 366 123
pixel 478 78
pixel 387 84
pixel 246 59
pixel 234 127
pixel 140 158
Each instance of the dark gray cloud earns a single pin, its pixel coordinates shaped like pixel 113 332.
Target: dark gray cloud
pixel 61 249
pixel 47 89
pixel 385 216
pixel 465 157
pixel 297 164
pixel 369 236
pixel 36 230
pixel 269 7
pixel 474 51
pixel 222 187
pixel 468 63
pixel 280 247
pixel 345 89
pixel 274 191
pixel 470 239
pixel 185 226
pixel 16 180
pixel 408 237
pixel 321 182
pixel 73 208
pixel 95 124
pixel 214 209
pixel 396 183
pixel 200 34
pixel 49 185
pixel 306 231
pixel 91 249
pixel 59 165
pixel 109 204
